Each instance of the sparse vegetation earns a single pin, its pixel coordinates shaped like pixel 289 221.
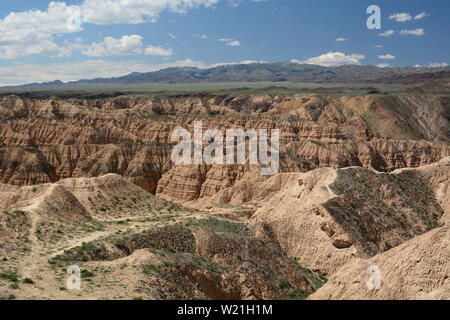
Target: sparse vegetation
pixel 9 276
pixel 298 294
pixel 86 274
pixel 28 281
pixel 218 225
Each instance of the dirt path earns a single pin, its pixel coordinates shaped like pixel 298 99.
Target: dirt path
pixel 35 265
pixel 29 264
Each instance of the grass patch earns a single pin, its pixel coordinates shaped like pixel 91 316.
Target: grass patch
pixel 218 225
pixel 86 274
pixel 28 281
pixel 314 279
pixel 9 276
pixel 298 294
pixel 14 286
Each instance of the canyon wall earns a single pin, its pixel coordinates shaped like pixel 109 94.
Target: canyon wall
pixel 44 141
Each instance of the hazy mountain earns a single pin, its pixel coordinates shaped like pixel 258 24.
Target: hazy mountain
pixel 39 84
pixel 267 72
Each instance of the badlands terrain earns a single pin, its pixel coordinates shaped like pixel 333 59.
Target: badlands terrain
pixel 364 181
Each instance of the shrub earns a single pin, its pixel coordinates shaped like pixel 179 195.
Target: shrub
pixel 14 286
pixel 10 276
pixel 86 274
pixel 28 281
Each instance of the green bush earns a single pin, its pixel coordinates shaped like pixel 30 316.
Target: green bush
pixel 10 276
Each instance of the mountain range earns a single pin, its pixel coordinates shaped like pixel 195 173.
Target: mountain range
pixel 272 72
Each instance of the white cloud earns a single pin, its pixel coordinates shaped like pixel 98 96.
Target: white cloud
pixel 236 3
pixel 438 65
pixel 341 39
pixel 31 32
pixel 230 42
pixel 387 33
pixel 433 65
pixel 400 17
pixel 383 65
pixel 27 25
pixel 387 57
pixel 415 32
pixel 379 46
pixel 332 59
pixel 135 11
pixel 421 16
pixel 234 43
pixel 126 45
pixel 172 36
pixel 200 36
pixel 234 63
pixel 158 51
pixel 44 47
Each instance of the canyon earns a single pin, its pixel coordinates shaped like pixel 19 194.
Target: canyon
pixel 363 180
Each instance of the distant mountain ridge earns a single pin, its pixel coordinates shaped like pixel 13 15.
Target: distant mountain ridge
pixel 262 72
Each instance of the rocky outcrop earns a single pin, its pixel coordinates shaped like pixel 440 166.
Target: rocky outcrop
pixel 328 217
pixel 417 269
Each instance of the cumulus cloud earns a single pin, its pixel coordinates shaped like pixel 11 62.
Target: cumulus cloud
pixel 415 32
pixel 401 17
pixel 433 65
pixel 437 65
pixel 404 17
pixel 26 26
pixel 383 65
pixel 387 57
pixel 332 59
pixel 421 16
pixel 387 33
pixel 136 11
pixel 44 47
pixel 31 32
pixel 341 39
pixel 126 45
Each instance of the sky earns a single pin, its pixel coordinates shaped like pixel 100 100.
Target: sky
pixel 43 40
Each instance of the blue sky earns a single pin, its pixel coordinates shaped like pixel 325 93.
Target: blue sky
pixel 42 40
